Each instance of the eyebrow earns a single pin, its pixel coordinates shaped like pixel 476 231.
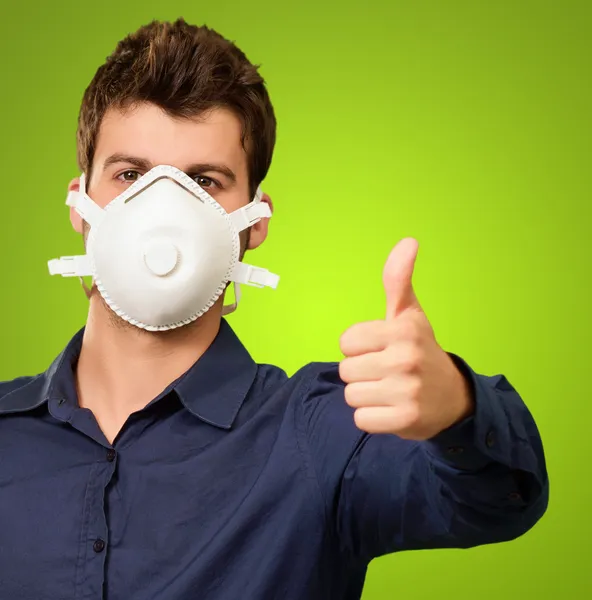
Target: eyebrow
pixel 146 165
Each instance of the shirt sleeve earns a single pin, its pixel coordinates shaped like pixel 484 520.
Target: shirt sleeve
pixel 482 481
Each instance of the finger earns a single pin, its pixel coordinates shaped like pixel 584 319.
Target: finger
pixel 397 278
pixel 368 393
pixel 361 338
pixel 376 419
pixel 394 391
pixel 404 357
pixel 366 367
pixel 383 419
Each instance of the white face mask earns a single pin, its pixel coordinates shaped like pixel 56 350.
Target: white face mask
pixel 162 252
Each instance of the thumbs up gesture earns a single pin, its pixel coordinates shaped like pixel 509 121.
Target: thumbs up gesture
pixel 398 378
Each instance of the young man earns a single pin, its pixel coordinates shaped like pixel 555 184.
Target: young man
pixel 154 458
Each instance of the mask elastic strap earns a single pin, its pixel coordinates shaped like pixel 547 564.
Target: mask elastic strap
pixel 254 276
pixel 249 275
pixel 73 200
pixel 87 290
pixel 72 197
pixel 92 213
pixel 230 308
pixel 243 218
pixel 248 215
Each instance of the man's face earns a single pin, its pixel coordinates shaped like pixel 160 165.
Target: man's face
pixel 208 148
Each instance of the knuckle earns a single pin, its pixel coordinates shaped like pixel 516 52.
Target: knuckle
pixel 412 359
pixel 414 389
pixel 406 358
pixel 412 416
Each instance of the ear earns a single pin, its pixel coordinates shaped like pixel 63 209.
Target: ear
pixel 259 231
pixel 75 218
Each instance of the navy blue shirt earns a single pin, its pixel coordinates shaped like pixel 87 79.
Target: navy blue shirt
pixel 241 482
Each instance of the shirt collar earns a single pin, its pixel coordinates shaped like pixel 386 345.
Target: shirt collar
pixel 216 386
pixel 213 389
pixel 36 391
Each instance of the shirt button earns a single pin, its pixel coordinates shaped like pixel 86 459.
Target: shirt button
pixel 111 455
pixel 99 545
pixel 490 439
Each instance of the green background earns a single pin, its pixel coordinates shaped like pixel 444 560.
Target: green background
pixel 464 124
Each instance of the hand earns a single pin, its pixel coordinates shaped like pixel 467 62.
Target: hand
pixel 399 379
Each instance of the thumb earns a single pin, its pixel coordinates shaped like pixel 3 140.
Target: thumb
pixel 397 278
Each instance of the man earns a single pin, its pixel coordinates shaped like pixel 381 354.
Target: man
pixel 154 458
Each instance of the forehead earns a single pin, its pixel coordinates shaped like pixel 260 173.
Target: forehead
pixel 148 132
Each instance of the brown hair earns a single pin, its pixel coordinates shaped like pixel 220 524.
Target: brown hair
pixel 186 70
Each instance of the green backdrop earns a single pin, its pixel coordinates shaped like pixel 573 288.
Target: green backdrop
pixel 464 124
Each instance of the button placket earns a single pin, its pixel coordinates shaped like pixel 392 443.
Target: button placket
pixel 92 573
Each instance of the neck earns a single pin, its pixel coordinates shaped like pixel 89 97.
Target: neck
pixel 122 368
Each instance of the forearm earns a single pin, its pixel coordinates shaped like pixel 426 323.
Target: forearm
pixel 492 463
pixel 482 481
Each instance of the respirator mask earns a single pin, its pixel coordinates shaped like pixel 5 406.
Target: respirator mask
pixel 162 252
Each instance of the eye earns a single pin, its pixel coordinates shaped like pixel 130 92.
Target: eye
pixel 129 176
pixel 205 182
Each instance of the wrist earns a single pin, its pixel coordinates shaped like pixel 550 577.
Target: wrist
pixel 463 390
